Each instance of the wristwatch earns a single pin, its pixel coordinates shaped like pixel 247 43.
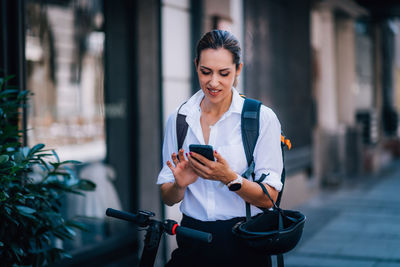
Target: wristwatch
pixel 236 184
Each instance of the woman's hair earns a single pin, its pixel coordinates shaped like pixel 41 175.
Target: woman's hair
pixel 220 39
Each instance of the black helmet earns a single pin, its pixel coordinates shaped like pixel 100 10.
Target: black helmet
pixel 272 232
pixel 263 233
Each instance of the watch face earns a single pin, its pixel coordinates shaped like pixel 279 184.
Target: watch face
pixel 235 187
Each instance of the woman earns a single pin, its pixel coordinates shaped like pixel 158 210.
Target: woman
pixel 214 117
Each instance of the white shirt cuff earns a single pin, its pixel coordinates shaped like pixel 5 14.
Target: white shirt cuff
pixel 165 176
pixel 274 180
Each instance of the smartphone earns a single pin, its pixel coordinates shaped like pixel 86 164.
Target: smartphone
pixel 206 151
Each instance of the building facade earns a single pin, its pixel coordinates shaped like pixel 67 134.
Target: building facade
pixel 106 75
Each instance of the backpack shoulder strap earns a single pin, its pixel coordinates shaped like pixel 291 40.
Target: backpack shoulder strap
pixel 250 124
pixel 181 128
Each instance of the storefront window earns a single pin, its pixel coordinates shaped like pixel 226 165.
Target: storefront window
pixel 65 71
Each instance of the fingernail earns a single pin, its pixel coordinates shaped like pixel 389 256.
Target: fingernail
pixel 186 154
pixel 215 151
pixel 190 153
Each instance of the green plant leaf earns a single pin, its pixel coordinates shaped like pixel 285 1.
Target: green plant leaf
pixel 14 221
pixel 9 92
pixel 66 255
pixel 44 164
pixel 61 173
pixel 17 251
pixel 18 157
pixel 19 195
pixel 69 230
pixel 25 151
pixel 86 185
pixel 56 156
pixel 30 217
pixel 36 148
pixel 3 196
pixel 8 210
pixel 78 225
pixel 9 77
pixel 23 94
pixel 62 235
pixel 4 158
pixel 55 164
pixel 55 254
pixel 44 155
pixel 25 209
pixel 61 187
pixel 71 162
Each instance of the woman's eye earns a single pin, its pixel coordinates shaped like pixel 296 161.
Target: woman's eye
pixel 225 74
pixel 205 72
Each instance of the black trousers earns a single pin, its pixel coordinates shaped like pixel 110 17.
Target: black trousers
pixel 225 249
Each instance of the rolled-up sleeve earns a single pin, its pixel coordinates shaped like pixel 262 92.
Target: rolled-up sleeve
pixel 169 147
pixel 268 153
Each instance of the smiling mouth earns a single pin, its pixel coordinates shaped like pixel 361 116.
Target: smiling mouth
pixel 213 91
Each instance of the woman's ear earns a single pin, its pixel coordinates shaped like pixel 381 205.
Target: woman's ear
pixel 195 63
pixel 239 69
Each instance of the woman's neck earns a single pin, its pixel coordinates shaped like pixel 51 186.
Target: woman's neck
pixel 216 109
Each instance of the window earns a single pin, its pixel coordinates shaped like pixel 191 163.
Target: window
pixel 65 71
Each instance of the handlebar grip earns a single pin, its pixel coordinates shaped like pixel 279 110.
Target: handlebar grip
pixel 121 215
pixel 195 234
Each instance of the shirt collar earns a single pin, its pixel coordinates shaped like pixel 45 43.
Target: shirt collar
pixel 192 106
pixel 237 102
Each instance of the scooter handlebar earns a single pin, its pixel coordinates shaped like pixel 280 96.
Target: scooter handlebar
pixel 123 215
pixel 171 227
pixel 195 234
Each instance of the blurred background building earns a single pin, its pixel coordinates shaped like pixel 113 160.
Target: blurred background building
pixel 106 75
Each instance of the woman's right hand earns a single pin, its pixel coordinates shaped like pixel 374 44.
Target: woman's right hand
pixel 182 171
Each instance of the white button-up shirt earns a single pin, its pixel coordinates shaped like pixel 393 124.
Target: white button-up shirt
pixel 207 200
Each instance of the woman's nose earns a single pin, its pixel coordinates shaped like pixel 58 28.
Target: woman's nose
pixel 214 81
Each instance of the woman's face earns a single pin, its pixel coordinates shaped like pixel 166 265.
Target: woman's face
pixel 217 73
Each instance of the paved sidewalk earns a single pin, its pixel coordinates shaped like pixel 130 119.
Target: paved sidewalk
pixel 356 226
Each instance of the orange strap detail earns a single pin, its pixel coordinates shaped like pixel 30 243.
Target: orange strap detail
pixel 286 142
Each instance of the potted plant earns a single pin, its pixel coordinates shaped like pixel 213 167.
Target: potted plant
pixel 30 202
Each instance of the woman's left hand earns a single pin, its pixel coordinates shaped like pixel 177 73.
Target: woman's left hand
pixel 218 170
